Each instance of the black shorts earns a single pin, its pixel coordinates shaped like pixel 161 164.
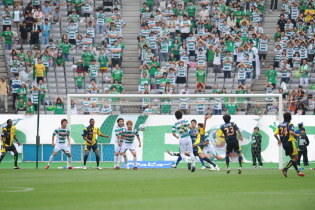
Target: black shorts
pixel 8 149
pixel 232 146
pixel 197 150
pixel 290 148
pixel 181 80
pixel 86 68
pixel 94 147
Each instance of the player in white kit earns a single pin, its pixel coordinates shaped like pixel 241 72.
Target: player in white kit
pixel 62 143
pixel 183 128
pixel 209 149
pixel 128 136
pixel 119 128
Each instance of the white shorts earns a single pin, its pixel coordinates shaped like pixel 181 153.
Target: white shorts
pixel 126 146
pixel 117 148
pixel 210 149
pixel 185 145
pixel 63 147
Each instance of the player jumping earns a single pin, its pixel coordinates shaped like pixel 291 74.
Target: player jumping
pixel 229 130
pixel 63 135
pixel 7 137
pixel 287 137
pixel 193 135
pixel 90 134
pixel 126 139
pixel 182 127
pixel 119 128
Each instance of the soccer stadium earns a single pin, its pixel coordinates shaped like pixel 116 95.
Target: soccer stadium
pixel 157 104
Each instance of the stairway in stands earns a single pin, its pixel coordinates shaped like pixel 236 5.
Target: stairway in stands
pixel 130 65
pixel 270 27
pixel 4 73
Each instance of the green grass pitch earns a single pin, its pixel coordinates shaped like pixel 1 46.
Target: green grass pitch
pixel 31 188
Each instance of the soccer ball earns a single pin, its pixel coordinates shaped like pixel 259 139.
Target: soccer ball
pixel 142 127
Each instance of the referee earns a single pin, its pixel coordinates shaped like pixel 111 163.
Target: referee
pixel 7 138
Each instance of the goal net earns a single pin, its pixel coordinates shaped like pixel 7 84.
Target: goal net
pixel 156 112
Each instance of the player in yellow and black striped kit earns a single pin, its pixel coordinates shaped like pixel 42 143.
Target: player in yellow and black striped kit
pixel 287 138
pixel 90 134
pixel 7 138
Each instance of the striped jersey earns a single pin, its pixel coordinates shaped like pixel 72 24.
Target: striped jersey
pixel 118 131
pixel 72 30
pixel 100 18
pixel 16 84
pixel 182 128
pixel 7 19
pixel 129 135
pixel 61 134
pixel 93 68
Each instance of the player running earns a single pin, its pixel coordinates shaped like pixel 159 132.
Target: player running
pixel 183 127
pixel 90 134
pixel 287 137
pixel 126 140
pixel 229 130
pixel 119 128
pixel 62 143
pixel 8 137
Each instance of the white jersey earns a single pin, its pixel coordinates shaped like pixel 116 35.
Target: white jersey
pixel 182 128
pixel 62 134
pixel 118 131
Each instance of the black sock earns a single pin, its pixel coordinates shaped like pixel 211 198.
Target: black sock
pixel 240 160
pixel 97 157
pixel 16 159
pixel 176 154
pixel 1 158
pixel 288 165
pixel 227 161
pixel 85 158
pixel 295 166
pixel 178 160
pixel 209 161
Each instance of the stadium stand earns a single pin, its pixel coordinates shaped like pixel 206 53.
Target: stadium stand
pixel 80 36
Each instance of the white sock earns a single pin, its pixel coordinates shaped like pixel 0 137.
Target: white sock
pixel 50 159
pixel 193 159
pixel 125 159
pixel 115 160
pixel 135 161
pixel 69 161
pixel 119 160
pixel 184 157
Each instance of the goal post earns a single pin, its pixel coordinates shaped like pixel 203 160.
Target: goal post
pixel 166 104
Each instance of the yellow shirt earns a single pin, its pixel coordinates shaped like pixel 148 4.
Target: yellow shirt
pixel 8 135
pixel 39 70
pixel 91 133
pixel 283 130
pixel 202 131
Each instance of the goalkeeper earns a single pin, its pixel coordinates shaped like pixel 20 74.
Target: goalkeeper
pixel 256 147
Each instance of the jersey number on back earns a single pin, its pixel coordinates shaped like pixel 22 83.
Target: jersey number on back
pixel 229 131
pixel 283 131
